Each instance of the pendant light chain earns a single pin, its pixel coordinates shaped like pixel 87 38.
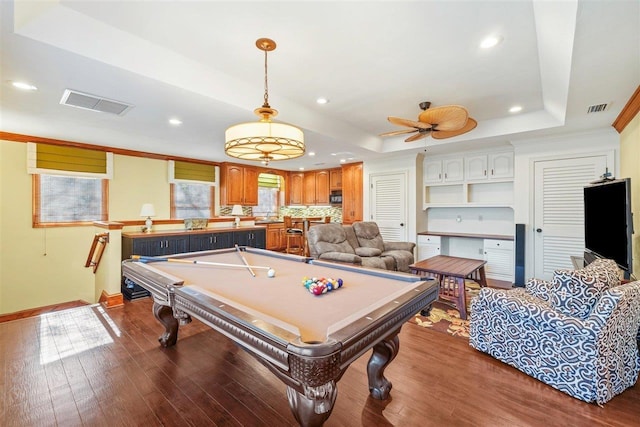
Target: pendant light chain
pixel 266 82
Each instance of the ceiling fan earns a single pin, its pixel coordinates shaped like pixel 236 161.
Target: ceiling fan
pixel 439 122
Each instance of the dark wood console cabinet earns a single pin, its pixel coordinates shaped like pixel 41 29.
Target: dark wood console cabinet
pixel 177 242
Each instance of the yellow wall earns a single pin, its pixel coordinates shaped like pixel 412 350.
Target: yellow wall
pixel 45 266
pixel 136 181
pixel 630 168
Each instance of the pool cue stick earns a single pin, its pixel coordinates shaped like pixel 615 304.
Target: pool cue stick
pixel 244 260
pixel 146 259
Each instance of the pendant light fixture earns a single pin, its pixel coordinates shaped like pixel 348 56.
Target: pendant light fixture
pixel 264 140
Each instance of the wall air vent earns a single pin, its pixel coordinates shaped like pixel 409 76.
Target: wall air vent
pixel 85 101
pixel 597 108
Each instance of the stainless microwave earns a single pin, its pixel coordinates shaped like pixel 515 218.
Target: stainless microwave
pixel 335 198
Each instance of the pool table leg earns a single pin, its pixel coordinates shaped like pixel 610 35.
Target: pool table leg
pixel 383 353
pixel 314 407
pixel 164 314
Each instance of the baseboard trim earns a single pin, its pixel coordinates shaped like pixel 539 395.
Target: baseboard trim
pixel 110 301
pixel 41 310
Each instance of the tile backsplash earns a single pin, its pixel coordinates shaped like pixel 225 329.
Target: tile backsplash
pixel 295 211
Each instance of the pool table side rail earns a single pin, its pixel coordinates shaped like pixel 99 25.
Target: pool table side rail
pixel 266 340
pixel 248 249
pixel 394 275
pixel 360 336
pixel 231 322
pixel 155 282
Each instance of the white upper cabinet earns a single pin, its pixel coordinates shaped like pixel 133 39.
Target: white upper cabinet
pixel 501 165
pixel 491 166
pixel 443 171
pixel 432 171
pixel 475 167
pixel 453 170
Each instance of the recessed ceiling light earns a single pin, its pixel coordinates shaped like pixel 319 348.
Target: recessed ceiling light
pixel 23 86
pixel 322 100
pixel 175 122
pixel 333 154
pixel 490 42
pixel 515 109
pixel 312 153
pixel 343 160
pixel 301 168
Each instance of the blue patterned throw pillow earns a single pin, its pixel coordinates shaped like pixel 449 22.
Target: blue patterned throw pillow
pixel 577 291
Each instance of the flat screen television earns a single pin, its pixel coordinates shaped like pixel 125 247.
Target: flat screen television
pixel 608 222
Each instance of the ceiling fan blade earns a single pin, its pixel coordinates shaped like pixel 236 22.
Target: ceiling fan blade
pixel 417 136
pixel 409 123
pixel 447 118
pixel 398 132
pixel 442 134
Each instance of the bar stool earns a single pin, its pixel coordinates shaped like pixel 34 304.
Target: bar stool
pixel 295 237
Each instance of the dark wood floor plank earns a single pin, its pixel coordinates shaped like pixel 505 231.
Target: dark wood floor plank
pixel 106 368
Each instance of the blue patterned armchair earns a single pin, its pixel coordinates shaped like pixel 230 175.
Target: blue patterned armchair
pixel 577 333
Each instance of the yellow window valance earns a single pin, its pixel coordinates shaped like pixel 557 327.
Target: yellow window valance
pixel 187 171
pixel 67 160
pixel 269 180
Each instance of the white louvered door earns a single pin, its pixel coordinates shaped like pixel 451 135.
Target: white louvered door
pixel 389 205
pixel 559 210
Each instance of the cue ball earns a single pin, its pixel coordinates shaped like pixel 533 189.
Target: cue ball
pixel 271 273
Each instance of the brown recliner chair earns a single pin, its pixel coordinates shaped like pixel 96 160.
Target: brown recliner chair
pixel 369 237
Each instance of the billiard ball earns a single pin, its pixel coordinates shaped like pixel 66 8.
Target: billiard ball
pixel 271 273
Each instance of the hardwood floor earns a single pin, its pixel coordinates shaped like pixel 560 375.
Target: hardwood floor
pixel 93 367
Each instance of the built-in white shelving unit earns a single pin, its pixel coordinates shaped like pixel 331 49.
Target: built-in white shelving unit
pixel 479 180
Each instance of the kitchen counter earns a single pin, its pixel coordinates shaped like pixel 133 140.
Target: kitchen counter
pixel 178 232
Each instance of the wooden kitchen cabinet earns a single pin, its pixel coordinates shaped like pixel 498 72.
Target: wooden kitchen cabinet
pixel 352 193
pixel 335 179
pixel 316 188
pixel 296 188
pixel 238 185
pixel 275 236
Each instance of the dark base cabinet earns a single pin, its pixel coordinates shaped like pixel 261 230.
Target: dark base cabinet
pixel 253 238
pixel 159 245
pixel 205 242
pixel 154 246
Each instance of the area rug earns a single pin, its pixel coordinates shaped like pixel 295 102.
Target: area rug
pixel 445 318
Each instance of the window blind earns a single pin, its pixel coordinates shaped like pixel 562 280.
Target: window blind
pixel 187 171
pixel 60 159
pixel 269 180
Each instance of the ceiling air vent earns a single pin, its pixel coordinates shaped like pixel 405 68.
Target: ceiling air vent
pixel 93 103
pixel 597 108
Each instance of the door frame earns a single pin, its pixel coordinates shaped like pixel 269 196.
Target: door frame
pixel 612 165
pixel 405 178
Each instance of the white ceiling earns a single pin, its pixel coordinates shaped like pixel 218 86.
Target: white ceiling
pixel 197 61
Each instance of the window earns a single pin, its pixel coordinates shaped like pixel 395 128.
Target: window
pixel 68 200
pixel 192 200
pixel 268 195
pixel 192 189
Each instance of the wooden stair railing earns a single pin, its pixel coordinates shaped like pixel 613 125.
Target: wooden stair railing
pixel 100 240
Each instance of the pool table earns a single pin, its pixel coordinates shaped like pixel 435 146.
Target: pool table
pixel 308 341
